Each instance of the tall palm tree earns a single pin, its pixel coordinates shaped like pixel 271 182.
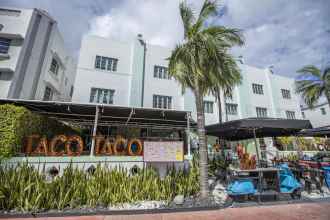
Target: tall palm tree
pixel 227 94
pixel 202 63
pixel 312 83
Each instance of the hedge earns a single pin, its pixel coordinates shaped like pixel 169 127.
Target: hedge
pixel 18 122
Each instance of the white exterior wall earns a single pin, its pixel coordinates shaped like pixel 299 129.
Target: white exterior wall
pixel 66 72
pixel 157 55
pixel 248 100
pixel 14 27
pixel 316 117
pixel 88 77
pixel 128 70
pixel 281 104
pixel 27 57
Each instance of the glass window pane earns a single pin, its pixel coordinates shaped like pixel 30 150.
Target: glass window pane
pixel 170 102
pixel 4 45
pixel 105 96
pixel 103 63
pixel 98 62
pixel 109 64
pixel 114 65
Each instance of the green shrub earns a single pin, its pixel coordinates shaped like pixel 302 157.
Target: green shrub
pixel 17 122
pixel 24 188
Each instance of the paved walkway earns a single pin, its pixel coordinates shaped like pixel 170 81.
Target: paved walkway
pixel 310 211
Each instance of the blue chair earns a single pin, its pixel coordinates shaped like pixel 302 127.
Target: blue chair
pixel 288 183
pixel 326 170
pixel 241 187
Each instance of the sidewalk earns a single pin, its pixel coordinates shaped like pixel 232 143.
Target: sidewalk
pixel 310 211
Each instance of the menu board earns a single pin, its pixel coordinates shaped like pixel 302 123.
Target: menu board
pixel 169 151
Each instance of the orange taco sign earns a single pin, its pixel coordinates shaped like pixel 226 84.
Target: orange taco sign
pixel 74 146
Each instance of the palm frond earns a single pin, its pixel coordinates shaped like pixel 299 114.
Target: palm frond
pixel 187 16
pixel 229 37
pixel 310 84
pixel 310 69
pixel 209 8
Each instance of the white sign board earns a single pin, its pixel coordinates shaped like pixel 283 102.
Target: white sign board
pixel 170 151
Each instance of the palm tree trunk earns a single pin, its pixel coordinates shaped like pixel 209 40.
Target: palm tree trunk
pixel 218 97
pixel 203 164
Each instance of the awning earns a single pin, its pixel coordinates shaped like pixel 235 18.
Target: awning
pixel 263 127
pixel 110 115
pixel 316 132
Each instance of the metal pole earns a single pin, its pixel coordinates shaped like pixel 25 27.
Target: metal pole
pixel 188 134
pixel 296 147
pixel 94 130
pixel 257 150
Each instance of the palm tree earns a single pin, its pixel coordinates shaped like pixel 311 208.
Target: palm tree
pixel 312 83
pixel 227 94
pixel 202 63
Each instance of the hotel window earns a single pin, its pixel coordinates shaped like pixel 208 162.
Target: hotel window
pixel 99 95
pixel 48 95
pixel 161 72
pixel 261 112
pixel 323 112
pixel 160 101
pixel 231 109
pixel 257 89
pixel 208 107
pixel 4 45
pixel 106 63
pixel 54 66
pixel 290 115
pixel 286 94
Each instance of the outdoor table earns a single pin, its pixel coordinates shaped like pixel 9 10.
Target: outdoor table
pixel 258 175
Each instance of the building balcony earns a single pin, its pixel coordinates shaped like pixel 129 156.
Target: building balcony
pixel 11 36
pixel 4 56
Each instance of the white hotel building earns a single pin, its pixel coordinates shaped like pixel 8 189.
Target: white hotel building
pixel 135 74
pixel 319 116
pixel 34 62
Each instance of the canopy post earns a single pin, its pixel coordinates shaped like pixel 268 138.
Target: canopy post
pixel 94 129
pixel 296 146
pixel 130 116
pixel 188 135
pixel 257 148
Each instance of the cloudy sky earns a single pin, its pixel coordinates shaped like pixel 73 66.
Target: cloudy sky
pixel 285 33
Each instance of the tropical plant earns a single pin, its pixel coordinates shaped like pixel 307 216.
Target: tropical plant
pixel 312 83
pixel 201 63
pixel 25 188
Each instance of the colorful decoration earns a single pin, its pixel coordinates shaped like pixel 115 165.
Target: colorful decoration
pixel 108 146
pixel 98 140
pixel 134 142
pixel 103 146
pixel 80 145
pixel 42 147
pixel 247 162
pixel 29 143
pixel 57 139
pixel 120 143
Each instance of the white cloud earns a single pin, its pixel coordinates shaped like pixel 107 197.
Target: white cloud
pixel 158 22
pixel 289 34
